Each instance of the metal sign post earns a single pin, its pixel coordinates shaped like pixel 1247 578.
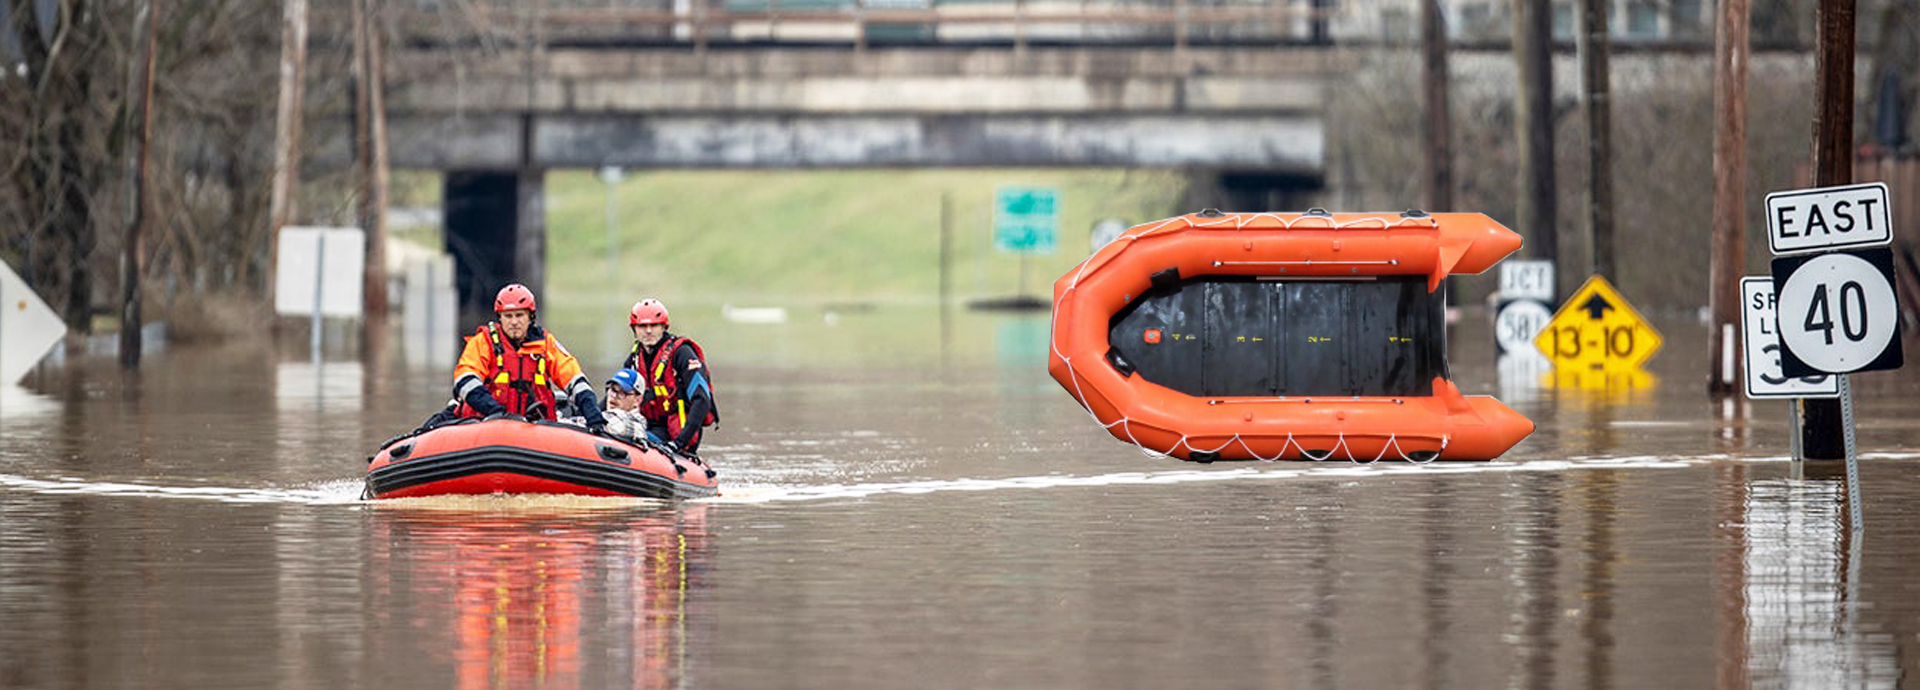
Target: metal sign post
pixel 1837 311
pixel 1026 221
pixel 319 273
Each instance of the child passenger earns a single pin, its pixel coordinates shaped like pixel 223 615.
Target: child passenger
pixel 624 395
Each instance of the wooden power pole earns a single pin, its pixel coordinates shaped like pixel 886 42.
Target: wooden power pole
pixel 1594 66
pixel 284 206
pixel 134 253
pixel 1439 128
pixel 1822 428
pixel 1533 56
pixel 370 152
pixel 1730 48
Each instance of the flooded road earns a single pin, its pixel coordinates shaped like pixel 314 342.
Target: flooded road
pixel 899 513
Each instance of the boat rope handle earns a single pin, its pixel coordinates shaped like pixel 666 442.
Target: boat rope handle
pixel 1306 400
pixel 1241 221
pixel 1308 262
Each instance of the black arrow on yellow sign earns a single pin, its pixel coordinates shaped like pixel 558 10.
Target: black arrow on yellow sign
pixel 1596 307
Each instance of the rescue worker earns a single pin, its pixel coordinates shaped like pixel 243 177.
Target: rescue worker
pixel 512 366
pixel 679 394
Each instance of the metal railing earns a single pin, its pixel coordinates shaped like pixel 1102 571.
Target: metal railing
pixel 859 23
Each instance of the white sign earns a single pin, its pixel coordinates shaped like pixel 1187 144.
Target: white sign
pixel 28 327
pixel 1527 280
pixel 1765 378
pixel 1805 220
pixel 327 262
pixel 1519 323
pixel 1837 313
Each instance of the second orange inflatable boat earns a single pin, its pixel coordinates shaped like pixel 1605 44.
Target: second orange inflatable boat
pixel 1265 336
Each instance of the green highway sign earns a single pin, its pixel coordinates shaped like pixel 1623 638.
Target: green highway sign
pixel 1026 219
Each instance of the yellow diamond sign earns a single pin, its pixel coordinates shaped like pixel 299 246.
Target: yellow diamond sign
pixel 1597 330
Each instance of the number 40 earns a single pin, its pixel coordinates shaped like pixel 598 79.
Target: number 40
pixel 1853 298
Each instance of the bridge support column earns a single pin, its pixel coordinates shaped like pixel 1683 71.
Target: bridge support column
pixel 1253 191
pixel 496 230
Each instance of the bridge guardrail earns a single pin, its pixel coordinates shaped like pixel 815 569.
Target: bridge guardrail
pixel 699 24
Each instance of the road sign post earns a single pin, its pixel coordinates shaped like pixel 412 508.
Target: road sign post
pixel 1026 220
pixel 1828 218
pixel 1765 378
pixel 1526 305
pixel 1837 311
pixel 1598 340
pixel 318 273
pixel 28 327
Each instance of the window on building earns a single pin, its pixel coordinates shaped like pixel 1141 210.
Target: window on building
pixel 1643 18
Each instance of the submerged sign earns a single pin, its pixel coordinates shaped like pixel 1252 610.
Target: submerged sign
pixel 1597 330
pixel 320 270
pixel 1760 328
pixel 28 327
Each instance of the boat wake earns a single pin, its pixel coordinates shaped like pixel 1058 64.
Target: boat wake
pixel 347 491
pixel 335 492
pixel 1224 473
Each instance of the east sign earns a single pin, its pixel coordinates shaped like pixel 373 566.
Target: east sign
pixel 1806 220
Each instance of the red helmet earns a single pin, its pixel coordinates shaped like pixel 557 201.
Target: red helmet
pixel 648 310
pixel 514 296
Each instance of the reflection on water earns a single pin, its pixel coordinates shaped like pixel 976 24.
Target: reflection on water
pixel 1802 592
pixel 518 599
pixel 887 520
pixel 19 405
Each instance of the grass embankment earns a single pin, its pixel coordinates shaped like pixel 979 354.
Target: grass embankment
pixel 819 237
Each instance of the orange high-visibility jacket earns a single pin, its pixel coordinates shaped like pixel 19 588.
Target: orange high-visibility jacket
pixel 540 361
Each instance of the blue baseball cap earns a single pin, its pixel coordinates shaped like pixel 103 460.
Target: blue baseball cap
pixel 627 380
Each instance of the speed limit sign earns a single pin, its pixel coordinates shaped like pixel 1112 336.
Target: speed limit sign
pixel 1837 312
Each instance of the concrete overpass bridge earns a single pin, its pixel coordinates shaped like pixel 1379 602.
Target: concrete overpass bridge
pixel 495 97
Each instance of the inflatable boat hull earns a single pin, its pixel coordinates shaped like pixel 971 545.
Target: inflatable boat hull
pixel 515 457
pixel 1266 336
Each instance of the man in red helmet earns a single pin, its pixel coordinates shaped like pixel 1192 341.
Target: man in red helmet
pixel 679 395
pixel 512 366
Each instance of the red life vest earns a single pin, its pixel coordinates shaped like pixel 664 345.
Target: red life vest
pixel 518 380
pixel 668 404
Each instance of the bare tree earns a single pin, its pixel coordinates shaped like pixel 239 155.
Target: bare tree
pixel 65 125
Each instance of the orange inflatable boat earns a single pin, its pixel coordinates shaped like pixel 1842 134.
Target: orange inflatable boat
pixel 519 457
pixel 1265 336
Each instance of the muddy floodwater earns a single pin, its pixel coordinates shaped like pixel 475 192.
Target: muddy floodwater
pixel 910 502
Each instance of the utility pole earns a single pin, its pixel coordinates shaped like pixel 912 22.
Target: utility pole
pixel 1822 428
pixel 134 253
pixel 1594 66
pixel 286 141
pixel 370 153
pixel 1433 92
pixel 1730 50
pixel 1533 56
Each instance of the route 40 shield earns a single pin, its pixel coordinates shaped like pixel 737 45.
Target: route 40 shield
pixel 1837 313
